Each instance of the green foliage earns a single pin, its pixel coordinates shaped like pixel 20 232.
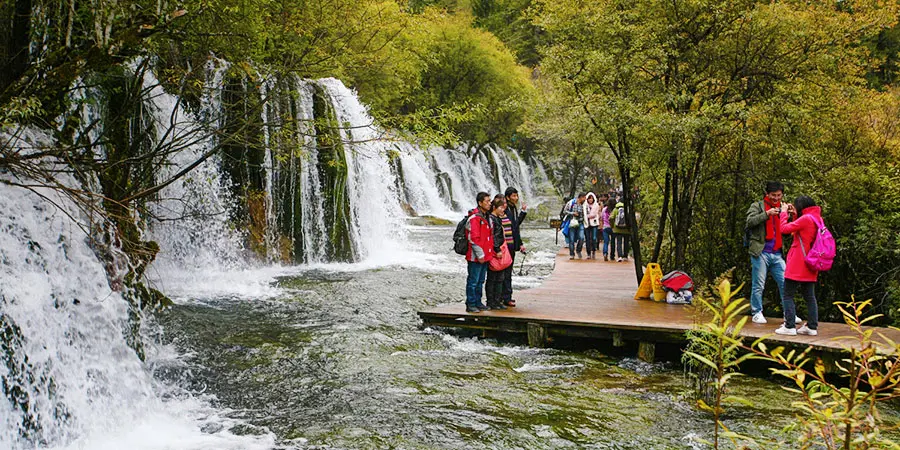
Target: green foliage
pixel 460 66
pixel 701 101
pixel 713 353
pixel 427 71
pixel 510 22
pixel 843 414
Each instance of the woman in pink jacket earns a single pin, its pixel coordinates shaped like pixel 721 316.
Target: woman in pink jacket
pixel 592 214
pixel 797 275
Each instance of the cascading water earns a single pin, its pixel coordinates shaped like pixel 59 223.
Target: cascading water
pixel 190 218
pixel 70 379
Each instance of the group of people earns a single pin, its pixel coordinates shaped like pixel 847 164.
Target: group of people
pixel 494 227
pixel 767 221
pixel 588 220
pixel 491 229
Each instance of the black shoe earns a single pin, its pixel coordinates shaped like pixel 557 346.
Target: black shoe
pixel 473 309
pixel 497 307
pixel 482 307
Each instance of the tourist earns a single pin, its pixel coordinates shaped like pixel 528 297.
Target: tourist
pixel 480 253
pixel 575 215
pixel 621 232
pixel 799 276
pixel 565 218
pixel 763 234
pixel 592 215
pixel 514 217
pixel 493 289
pixel 607 229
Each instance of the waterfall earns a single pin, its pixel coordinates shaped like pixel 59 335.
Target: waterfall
pixel 69 377
pixel 374 207
pixel 71 380
pixel 190 217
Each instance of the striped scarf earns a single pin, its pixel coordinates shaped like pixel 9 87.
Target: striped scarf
pixel 507 230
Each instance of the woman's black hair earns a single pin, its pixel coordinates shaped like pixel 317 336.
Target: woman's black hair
pixel 802 202
pixel 611 203
pixel 498 201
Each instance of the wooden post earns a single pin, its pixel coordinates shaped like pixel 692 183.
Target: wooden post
pixel 646 351
pixel 537 335
pixel 618 340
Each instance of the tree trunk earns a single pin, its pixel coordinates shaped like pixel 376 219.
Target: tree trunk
pixel 623 157
pixel 664 212
pixel 16 57
pixel 684 203
pixel 573 186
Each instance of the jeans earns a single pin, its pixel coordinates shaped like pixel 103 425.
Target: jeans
pixel 576 239
pixel 474 283
pixel 808 290
pixel 607 235
pixel 590 239
pixel 506 295
pixel 620 245
pixel 759 266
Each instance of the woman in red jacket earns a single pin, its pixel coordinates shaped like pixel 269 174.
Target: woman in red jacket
pixel 797 275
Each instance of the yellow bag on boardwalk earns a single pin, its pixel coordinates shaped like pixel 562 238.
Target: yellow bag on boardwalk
pixel 651 284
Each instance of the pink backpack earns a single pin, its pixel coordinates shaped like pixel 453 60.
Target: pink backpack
pixel 821 254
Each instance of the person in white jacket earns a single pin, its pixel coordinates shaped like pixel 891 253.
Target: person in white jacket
pixel 592 224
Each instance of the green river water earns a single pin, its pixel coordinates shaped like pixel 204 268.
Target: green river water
pixel 338 360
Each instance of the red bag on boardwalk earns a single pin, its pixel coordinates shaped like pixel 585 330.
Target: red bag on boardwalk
pixel 677 280
pixel 502 261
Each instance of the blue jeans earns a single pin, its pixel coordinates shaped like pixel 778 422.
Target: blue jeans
pixel 761 265
pixel 475 283
pixel 607 235
pixel 590 240
pixel 576 239
pixel 620 245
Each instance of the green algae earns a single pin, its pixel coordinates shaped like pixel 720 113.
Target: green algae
pixel 332 166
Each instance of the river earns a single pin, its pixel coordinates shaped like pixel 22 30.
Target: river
pixel 333 356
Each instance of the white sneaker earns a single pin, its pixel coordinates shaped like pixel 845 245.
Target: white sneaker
pixel 805 330
pixel 759 318
pixel 786 331
pixel 797 320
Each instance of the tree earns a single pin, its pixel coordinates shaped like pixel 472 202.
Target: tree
pixel 686 84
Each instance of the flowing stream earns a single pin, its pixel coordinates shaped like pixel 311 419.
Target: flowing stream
pixel 320 351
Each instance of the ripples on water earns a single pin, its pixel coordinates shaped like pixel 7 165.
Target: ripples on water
pixel 333 357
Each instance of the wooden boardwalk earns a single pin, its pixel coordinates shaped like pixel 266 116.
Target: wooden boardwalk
pixel 593 298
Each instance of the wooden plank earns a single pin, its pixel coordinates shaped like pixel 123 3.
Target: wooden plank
pixel 646 351
pixel 597 296
pixel 537 335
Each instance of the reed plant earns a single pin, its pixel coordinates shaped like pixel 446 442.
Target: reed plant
pixel 838 405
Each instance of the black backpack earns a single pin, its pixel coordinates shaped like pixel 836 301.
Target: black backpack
pixel 460 243
pixel 748 232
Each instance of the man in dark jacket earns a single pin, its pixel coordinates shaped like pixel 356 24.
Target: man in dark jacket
pixel 764 244
pixel 516 218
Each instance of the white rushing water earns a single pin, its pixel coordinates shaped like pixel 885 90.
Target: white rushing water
pixel 76 382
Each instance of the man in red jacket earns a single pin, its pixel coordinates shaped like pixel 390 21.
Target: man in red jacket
pixel 481 252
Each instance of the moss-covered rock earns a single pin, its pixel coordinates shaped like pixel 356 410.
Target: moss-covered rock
pixel 430 221
pixel 332 166
pixel 287 147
